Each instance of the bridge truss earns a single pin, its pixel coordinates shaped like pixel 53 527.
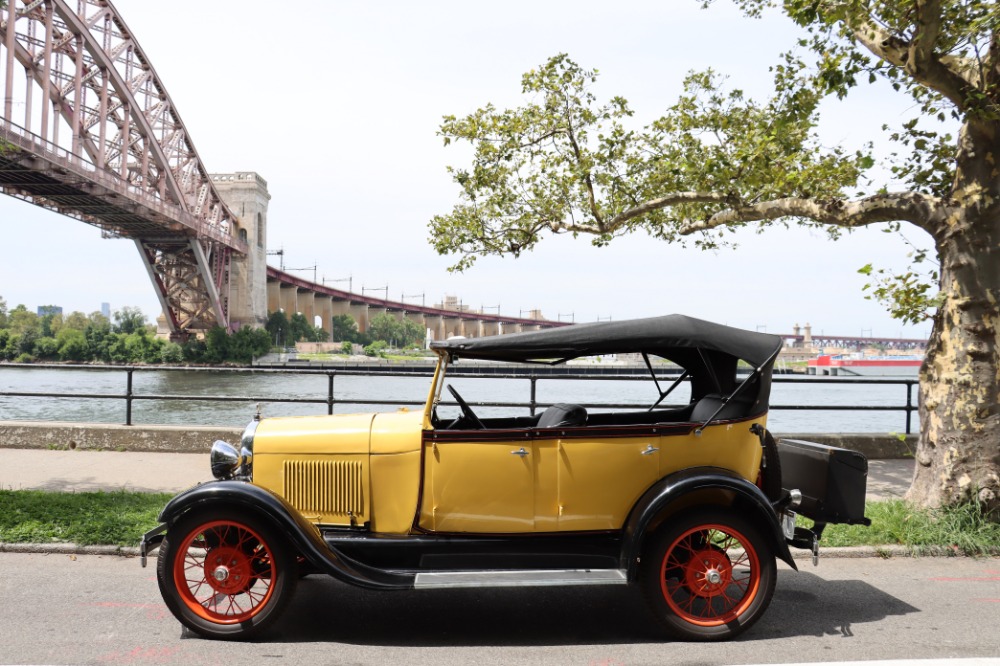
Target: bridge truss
pixel 97 137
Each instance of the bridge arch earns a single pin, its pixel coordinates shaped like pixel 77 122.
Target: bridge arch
pixel 124 161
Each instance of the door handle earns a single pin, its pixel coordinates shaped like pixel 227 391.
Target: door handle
pixel 649 450
pixel 520 452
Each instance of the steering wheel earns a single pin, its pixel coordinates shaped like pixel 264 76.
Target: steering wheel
pixel 466 410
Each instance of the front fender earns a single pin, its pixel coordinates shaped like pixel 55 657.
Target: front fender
pixel 675 486
pixel 302 534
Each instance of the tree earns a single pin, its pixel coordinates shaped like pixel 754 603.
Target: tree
pixel 299 328
pixel 565 163
pixel 21 320
pixel 398 333
pixel 76 321
pixel 345 329
pixel 3 313
pixel 72 344
pixel 129 320
pixel 277 325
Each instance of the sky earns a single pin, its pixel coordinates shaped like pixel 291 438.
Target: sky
pixel 336 105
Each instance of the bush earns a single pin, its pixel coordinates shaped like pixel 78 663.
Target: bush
pixel 46 348
pixel 172 353
pixel 24 358
pixel 377 348
pixel 72 345
pixel 347 348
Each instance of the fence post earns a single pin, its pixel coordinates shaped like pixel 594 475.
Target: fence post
pixel 531 402
pixel 909 404
pixel 329 393
pixel 128 398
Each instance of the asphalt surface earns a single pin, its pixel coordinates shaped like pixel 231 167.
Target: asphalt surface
pixel 76 471
pixel 81 609
pixel 65 608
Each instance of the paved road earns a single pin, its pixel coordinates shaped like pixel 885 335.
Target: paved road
pixel 61 609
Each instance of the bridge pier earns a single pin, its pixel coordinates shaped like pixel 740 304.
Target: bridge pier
pixel 324 308
pixel 436 325
pixel 273 296
pixel 453 326
pixel 360 313
pixel 287 299
pixel 245 194
pixel 307 305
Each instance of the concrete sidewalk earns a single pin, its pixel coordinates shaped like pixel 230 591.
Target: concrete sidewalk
pixel 80 470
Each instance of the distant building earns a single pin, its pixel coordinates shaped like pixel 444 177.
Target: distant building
pixel 46 310
pixel 106 310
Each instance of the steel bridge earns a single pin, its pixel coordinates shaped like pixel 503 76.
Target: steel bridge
pixel 100 140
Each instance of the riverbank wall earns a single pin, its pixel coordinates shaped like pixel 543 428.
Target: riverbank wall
pixel 198 439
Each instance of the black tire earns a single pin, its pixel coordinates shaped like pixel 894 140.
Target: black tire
pixel 224 574
pixel 708 575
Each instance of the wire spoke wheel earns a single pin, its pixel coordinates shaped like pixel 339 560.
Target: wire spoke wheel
pixel 224 576
pixel 708 576
pixel 219 583
pixel 713 583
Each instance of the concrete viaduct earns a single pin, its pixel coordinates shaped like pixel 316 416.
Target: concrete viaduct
pixel 257 288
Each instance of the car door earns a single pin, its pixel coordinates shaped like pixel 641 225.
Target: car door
pixel 601 473
pixel 479 482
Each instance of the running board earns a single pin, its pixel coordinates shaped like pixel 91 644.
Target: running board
pixel 527 578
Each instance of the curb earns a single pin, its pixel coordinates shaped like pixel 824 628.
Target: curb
pixel 842 552
pixel 68 549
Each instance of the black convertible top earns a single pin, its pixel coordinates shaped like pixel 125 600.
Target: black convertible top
pixel 708 351
pixel 664 336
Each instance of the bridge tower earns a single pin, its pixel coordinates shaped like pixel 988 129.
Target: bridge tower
pixel 245 194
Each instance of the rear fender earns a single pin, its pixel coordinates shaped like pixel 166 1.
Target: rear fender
pixel 706 485
pixel 301 534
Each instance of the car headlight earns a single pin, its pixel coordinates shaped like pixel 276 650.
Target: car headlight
pixel 228 463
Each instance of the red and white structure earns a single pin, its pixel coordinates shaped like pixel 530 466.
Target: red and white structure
pixel 865 366
pixel 89 130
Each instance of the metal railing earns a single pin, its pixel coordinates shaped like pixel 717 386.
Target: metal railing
pixel 331 399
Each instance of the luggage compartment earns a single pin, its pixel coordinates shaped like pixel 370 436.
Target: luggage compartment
pixel 832 480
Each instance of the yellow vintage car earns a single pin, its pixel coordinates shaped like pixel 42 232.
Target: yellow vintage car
pixel 687 501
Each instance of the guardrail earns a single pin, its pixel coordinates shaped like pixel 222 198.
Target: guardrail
pixel 130 396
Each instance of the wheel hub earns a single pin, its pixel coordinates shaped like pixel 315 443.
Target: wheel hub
pixel 228 570
pixel 708 572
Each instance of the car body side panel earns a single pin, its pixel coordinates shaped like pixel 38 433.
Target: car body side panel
pixel 319 464
pixel 599 480
pixel 727 445
pixel 478 486
pixel 395 471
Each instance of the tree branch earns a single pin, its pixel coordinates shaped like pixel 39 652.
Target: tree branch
pixel 901 206
pixel 950 76
pixel 615 223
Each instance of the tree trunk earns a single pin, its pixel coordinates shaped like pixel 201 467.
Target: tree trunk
pixel 958 455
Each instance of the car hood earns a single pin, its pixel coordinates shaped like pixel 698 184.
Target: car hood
pixel 396 432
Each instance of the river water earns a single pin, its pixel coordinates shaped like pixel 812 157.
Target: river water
pixel 374 392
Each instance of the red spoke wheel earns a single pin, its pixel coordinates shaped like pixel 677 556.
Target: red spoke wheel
pixel 225 575
pixel 708 575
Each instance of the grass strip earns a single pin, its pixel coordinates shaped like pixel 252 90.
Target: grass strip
pixel 120 518
pixel 962 529
pixel 116 518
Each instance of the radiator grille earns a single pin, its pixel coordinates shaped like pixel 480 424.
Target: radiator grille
pixel 325 487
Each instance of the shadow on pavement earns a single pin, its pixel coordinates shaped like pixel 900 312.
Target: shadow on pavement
pixel 325 610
